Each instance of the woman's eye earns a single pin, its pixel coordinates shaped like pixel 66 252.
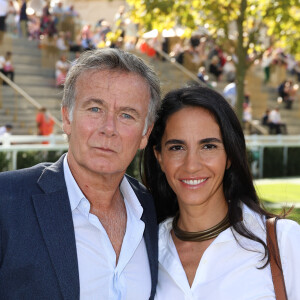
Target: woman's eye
pixel 176 148
pixel 209 147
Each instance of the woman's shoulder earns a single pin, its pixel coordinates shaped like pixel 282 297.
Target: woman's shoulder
pixel 288 230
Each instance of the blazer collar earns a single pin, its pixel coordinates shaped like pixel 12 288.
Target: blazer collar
pixel 55 219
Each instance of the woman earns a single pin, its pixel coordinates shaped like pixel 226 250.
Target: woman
pixel 212 239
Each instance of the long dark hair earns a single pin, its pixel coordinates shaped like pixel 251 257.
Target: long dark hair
pixel 237 182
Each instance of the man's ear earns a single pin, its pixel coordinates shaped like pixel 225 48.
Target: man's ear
pixel 66 123
pixel 145 138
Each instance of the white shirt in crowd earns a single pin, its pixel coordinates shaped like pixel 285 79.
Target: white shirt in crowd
pixel 229 93
pixel 99 276
pixel 2 62
pixel 3 8
pixel 274 116
pixel 226 270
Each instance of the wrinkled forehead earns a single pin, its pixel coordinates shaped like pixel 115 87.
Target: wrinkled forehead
pixel 109 75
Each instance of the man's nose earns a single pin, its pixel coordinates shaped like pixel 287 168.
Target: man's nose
pixel 109 126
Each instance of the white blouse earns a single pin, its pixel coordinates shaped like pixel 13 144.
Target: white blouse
pixel 226 270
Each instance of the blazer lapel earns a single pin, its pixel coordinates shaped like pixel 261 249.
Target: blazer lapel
pixel 55 219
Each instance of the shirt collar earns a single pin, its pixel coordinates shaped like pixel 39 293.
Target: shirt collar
pixel 251 220
pixel 74 192
pixel 76 195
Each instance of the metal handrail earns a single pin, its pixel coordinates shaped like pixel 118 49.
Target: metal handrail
pixel 32 101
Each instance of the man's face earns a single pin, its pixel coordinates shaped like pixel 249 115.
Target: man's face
pixel 108 121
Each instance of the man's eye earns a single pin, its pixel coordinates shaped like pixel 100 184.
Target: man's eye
pixel 95 109
pixel 126 116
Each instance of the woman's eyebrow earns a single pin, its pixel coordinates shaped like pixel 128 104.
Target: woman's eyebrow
pixel 210 140
pixel 174 141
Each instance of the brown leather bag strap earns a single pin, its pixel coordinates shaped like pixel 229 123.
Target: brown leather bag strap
pixel 275 262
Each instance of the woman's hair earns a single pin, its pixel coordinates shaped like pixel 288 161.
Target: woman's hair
pixel 237 182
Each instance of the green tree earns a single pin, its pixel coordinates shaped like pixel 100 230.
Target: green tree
pixel 242 27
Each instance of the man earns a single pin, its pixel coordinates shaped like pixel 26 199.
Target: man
pixel 23 19
pixel 6 129
pixel 3 14
pixel 80 228
pixel 275 122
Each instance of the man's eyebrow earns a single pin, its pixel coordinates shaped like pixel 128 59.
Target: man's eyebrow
pixel 93 101
pixel 130 110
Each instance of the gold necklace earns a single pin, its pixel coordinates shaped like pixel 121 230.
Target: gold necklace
pixel 200 236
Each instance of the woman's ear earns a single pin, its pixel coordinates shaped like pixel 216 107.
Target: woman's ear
pixel 158 157
pixel 228 164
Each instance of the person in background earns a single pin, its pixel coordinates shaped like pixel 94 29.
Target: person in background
pixel 275 123
pixel 2 62
pixel 212 233
pixel 8 68
pixel 6 129
pixel 3 15
pixel 80 228
pixel 266 64
pixel 44 122
pixel 23 19
pixel 230 93
pixel 215 67
pixel 61 69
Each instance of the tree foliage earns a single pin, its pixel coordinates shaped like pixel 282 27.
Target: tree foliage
pixel 243 27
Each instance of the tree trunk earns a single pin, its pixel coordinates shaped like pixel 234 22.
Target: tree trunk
pixel 242 62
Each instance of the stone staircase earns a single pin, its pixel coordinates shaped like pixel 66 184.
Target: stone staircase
pixel 35 80
pixel 265 96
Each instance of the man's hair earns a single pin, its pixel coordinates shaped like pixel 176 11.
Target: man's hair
pixel 114 60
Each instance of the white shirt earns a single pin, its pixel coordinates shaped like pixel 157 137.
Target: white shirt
pixel 226 270
pixel 229 93
pixel 274 117
pixel 99 276
pixel 2 62
pixel 61 65
pixel 3 8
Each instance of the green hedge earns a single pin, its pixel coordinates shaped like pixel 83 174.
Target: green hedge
pixel 273 163
pixel 26 159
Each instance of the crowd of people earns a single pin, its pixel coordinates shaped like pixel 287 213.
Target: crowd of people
pixel 59 31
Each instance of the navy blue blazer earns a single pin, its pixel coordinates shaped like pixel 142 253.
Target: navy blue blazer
pixel 38 258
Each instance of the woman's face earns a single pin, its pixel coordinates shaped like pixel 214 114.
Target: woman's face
pixel 193 157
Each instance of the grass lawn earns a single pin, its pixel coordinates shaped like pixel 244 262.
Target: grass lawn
pixel 279 192
pixel 282 192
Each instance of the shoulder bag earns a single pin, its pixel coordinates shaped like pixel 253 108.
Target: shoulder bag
pixel 275 262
